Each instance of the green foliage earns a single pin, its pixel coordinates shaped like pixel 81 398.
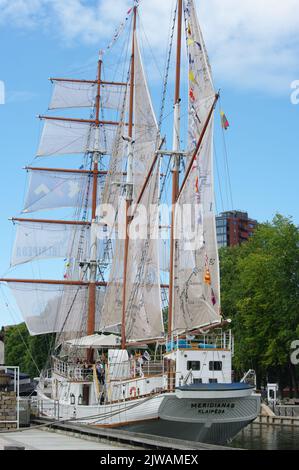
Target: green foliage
pixel 29 352
pixel 260 292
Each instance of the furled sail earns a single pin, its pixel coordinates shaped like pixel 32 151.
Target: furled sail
pixel 144 293
pixel 42 240
pixel 48 308
pixel 196 294
pixel 73 94
pixel 52 190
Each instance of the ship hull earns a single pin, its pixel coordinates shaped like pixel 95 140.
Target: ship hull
pixel 215 419
pixel 114 415
pixel 215 433
pixel 208 420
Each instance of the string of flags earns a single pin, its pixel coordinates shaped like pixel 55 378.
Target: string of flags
pixel 224 121
pixel 207 277
pixel 213 297
pixel 118 31
pixel 208 280
pixel 67 265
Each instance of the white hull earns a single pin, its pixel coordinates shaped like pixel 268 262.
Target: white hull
pixel 116 414
pixel 214 420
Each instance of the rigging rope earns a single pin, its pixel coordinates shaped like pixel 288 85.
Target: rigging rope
pixel 226 163
pixel 164 293
pixel 167 67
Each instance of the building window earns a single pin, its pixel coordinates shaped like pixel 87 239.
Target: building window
pixel 213 381
pixel 215 365
pixel 222 241
pixel 194 365
pixel 197 381
pixel 220 223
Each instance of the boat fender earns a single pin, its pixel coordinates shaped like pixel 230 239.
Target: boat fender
pixel 133 391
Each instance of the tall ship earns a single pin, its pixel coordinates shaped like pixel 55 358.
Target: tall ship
pixel 140 340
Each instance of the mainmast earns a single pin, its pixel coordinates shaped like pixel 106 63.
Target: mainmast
pixel 176 160
pixel 93 240
pixel 129 181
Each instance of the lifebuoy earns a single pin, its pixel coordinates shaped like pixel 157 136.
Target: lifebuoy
pixel 133 391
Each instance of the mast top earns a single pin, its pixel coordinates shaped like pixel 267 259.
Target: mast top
pixel 178 53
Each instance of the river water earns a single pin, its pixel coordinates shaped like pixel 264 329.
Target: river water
pixel 263 437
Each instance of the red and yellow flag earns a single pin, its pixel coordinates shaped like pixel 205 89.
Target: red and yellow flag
pixel 224 121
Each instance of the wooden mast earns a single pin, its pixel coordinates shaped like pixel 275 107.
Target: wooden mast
pixel 129 185
pixel 93 254
pixel 176 161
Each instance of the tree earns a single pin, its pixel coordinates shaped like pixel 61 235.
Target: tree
pixel 260 292
pixel 30 353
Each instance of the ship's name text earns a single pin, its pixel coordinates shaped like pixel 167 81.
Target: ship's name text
pixel 212 408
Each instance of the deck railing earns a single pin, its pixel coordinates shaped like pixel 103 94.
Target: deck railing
pixel 218 339
pixel 75 372
pixel 117 370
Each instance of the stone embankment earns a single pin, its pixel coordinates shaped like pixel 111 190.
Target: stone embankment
pixel 8 410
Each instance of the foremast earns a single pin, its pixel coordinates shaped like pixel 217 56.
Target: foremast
pixel 95 124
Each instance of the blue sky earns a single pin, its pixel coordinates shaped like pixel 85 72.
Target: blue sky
pixel 254 52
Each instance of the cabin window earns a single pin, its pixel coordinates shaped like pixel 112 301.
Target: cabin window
pixel 213 381
pixel 215 365
pixel 197 381
pixel 194 365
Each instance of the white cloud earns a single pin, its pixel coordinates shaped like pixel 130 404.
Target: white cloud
pixel 21 13
pixel 252 43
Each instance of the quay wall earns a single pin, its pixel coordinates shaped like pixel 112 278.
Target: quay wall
pixel 8 410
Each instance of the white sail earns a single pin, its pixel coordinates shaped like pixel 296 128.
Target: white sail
pixel 196 296
pixel 111 313
pixel 149 322
pixel 112 248
pixel 52 190
pixel 68 94
pixel 113 187
pixel 145 132
pixel 143 296
pixel 69 137
pixel 201 90
pixel 50 308
pixel 41 240
pixel 164 250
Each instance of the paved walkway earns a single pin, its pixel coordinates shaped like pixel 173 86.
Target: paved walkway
pixel 37 439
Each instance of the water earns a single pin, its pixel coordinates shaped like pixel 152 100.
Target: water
pixel 257 436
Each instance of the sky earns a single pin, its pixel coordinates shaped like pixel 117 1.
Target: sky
pixel 253 47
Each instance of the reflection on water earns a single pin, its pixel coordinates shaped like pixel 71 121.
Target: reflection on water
pixel 257 436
